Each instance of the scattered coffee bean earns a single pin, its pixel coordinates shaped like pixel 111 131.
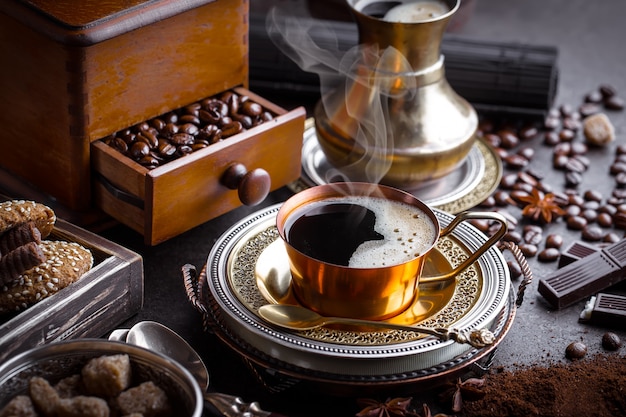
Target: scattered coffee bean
pixel 620 179
pixel 480 224
pixel 578 222
pixel 559 161
pixel 606 91
pixel 604 220
pixel 528 132
pixel 590 215
pixel 594 97
pixel 488 202
pixel 528 250
pixel 575 350
pixel 614 103
pixel 611 237
pixel 514 269
pixel 588 109
pixel 619 220
pixel 611 341
pixel 523 187
pixel 575 165
pixel 516 161
pixel 554 241
pixel 572 123
pixel 551 138
pixel 592 233
pixel 533 235
pixel 512 236
pixel 572 210
pixel 573 178
pixel 617 167
pixel 527 178
pixel 501 198
pixel 592 195
pixel 508 181
pixel 551 123
pixel 567 135
pixel 549 255
pixel 576 199
pixel 527 152
pixel 508 139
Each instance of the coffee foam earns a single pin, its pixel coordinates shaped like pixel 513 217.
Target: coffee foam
pixel 418 11
pixel 408 232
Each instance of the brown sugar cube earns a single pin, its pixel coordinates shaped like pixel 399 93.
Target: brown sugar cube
pixel 20 406
pixel 107 376
pixel 598 129
pixel 44 396
pixel 19 236
pixel 146 399
pixel 83 406
pixel 69 386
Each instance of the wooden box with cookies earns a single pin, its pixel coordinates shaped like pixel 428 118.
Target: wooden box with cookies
pixel 58 281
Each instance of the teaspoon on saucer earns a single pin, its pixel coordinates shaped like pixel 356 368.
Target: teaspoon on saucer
pixel 300 318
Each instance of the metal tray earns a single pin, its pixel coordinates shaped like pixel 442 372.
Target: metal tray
pixel 480 297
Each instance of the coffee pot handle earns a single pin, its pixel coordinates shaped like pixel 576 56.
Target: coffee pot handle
pixel 493 239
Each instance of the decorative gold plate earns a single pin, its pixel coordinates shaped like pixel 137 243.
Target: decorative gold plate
pixel 248 254
pixel 464 188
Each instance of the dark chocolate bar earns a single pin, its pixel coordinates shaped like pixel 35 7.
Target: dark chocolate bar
pixel 585 277
pixel 607 310
pixel 575 251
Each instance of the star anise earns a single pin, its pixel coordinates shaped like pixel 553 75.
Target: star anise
pixel 395 407
pixel 540 207
pixel 468 390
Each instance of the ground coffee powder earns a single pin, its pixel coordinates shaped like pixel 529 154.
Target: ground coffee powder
pixel 590 387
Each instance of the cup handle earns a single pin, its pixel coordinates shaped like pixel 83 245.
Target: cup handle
pixel 470 215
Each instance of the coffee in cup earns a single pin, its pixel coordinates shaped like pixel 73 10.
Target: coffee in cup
pixel 358 249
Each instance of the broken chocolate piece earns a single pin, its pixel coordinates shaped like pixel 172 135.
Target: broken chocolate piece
pixel 585 277
pixel 575 251
pixel 20 260
pixel 19 236
pixel 606 310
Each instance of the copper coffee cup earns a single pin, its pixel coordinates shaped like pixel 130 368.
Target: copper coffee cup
pixel 372 293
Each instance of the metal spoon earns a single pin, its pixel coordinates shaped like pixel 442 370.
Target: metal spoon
pixel 300 318
pixel 162 339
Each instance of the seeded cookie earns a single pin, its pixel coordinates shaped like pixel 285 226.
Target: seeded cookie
pixel 16 212
pixel 66 263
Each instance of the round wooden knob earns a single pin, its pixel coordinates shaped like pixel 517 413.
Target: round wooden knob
pixel 252 186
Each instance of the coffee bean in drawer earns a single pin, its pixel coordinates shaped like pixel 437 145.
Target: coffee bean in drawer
pixel 180 132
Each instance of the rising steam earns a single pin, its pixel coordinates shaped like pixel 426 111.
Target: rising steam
pixel 356 87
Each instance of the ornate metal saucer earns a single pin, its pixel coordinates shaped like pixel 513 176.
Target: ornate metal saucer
pixel 240 279
pixel 467 186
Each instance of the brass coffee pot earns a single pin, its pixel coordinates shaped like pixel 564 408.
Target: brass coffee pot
pixel 395 119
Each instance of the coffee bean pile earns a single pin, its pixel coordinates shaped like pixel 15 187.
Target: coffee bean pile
pixel 598 218
pixel 188 129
